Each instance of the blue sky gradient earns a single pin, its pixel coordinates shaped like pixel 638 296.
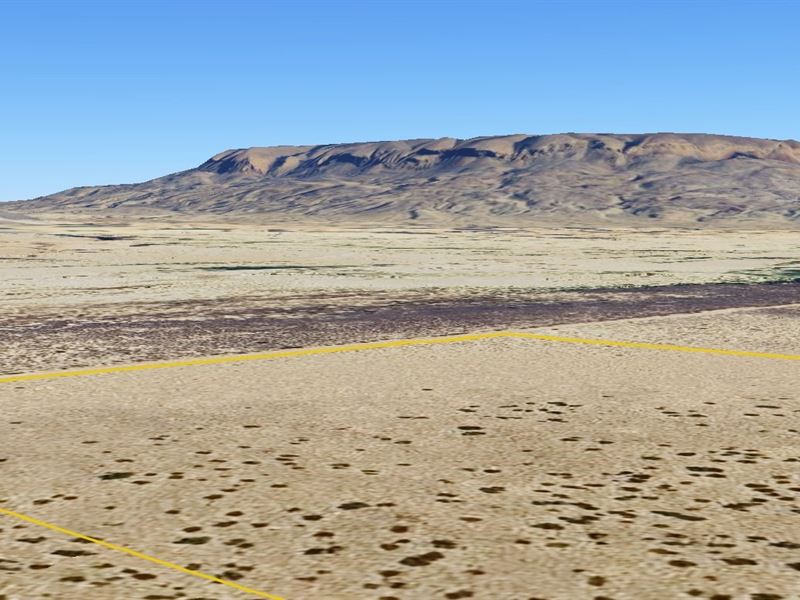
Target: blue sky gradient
pixel 115 92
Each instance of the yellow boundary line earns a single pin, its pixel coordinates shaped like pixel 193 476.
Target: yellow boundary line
pixel 649 346
pixel 152 559
pixel 216 360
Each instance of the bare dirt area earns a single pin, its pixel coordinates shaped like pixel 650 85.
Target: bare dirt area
pixel 514 469
pixel 83 294
pixel 163 332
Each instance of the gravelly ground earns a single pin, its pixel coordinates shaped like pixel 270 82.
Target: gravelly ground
pixel 160 331
pixel 511 469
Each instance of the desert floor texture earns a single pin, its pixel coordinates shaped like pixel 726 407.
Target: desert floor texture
pixel 499 469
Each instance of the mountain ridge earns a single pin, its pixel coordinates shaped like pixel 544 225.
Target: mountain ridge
pixel 493 180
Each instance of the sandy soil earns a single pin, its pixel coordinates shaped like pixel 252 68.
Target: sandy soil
pixel 83 294
pixel 506 469
pixel 511 469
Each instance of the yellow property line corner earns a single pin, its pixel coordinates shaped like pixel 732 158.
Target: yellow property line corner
pixel 217 360
pixel 214 360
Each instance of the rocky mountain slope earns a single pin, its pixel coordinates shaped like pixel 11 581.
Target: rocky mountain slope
pixel 663 178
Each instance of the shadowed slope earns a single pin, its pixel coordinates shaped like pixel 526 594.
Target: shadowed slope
pixel 514 179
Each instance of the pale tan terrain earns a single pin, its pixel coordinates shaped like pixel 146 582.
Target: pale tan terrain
pixel 81 294
pixel 512 469
pixel 62 264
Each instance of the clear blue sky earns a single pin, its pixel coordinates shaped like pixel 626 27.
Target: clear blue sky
pixel 117 92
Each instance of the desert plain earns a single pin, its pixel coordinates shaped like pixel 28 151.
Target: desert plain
pixel 509 468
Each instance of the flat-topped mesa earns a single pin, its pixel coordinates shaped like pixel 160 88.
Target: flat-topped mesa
pixel 511 180
pixel 432 153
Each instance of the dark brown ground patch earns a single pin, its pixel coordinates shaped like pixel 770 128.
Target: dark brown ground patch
pixel 161 331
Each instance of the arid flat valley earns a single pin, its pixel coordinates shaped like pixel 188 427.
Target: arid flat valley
pixel 83 294
pixel 348 300
pixel 519 469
